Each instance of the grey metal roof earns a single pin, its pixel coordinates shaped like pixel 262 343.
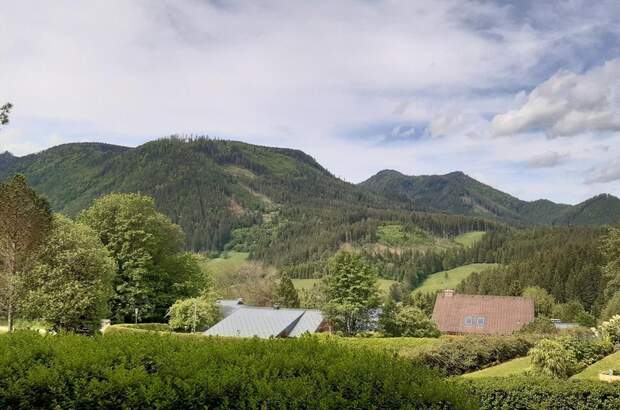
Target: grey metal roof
pixel 248 321
pixel 309 322
pixel 229 306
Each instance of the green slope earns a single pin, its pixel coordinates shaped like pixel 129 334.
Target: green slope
pixel 611 362
pixel 458 193
pixel 510 368
pixel 449 279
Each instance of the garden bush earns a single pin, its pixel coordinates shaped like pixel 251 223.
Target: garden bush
pixel 148 370
pixel 565 356
pixel 469 353
pixel 527 392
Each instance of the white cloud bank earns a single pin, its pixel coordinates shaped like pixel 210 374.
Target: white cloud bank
pixel 568 104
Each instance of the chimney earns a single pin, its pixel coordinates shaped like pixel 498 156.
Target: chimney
pixel 448 293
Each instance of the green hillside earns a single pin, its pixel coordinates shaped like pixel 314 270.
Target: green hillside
pixel 509 368
pixel 449 279
pixel 460 194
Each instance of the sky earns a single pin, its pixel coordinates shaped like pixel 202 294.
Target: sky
pixel 523 95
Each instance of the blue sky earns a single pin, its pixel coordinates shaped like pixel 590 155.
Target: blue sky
pixel 521 95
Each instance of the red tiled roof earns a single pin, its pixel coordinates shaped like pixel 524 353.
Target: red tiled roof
pixel 499 315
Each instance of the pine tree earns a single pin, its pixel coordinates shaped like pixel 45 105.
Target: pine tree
pixel 287 295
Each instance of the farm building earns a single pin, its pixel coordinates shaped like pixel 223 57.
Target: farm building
pixel 494 315
pixel 241 320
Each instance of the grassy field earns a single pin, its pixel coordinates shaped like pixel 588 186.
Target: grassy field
pixel 384 284
pixel 591 373
pixel 510 368
pixel 449 279
pixel 226 265
pixel 469 238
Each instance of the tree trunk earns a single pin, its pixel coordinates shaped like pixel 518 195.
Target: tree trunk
pixel 10 317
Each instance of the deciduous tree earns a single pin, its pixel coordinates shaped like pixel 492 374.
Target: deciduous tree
pixel 287 295
pixel 25 220
pixel 71 282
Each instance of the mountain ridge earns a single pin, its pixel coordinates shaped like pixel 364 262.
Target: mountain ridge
pixel 456 192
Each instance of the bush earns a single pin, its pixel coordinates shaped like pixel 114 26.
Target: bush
pixel 201 312
pixel 566 356
pixel 469 353
pixel 539 326
pixel 164 371
pixel 526 392
pixel 413 322
pixel 609 330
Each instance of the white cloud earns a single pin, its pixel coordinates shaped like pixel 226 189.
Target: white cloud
pixel 609 172
pixel 568 104
pixel 547 160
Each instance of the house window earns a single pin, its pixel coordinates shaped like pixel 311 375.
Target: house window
pixel 469 321
pixel 481 321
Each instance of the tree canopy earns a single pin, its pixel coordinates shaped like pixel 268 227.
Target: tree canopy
pixel 152 269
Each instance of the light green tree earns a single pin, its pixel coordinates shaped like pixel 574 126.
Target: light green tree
pixel 25 221
pixel 350 291
pixel 413 322
pixel 195 314
pixel 612 307
pixel 152 269
pixel 553 358
pixel 71 282
pixel 543 301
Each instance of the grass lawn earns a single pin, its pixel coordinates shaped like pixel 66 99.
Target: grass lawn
pixel 384 284
pixel 469 238
pixel 228 265
pixel 449 279
pixel 510 368
pixel 591 373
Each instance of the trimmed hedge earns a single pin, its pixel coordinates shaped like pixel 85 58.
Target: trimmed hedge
pixel 528 392
pixel 148 370
pixel 470 353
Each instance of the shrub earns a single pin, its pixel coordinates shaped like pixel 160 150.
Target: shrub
pixel 413 322
pixel 553 358
pixel 201 312
pixel 609 330
pixel 469 353
pixel 527 392
pixel 566 356
pixel 541 326
pixel 165 371
pixel 612 307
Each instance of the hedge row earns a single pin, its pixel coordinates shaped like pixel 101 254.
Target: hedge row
pixel 470 353
pixel 147 370
pixel 528 392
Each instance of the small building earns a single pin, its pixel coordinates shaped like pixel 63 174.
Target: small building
pixel 493 315
pixel 241 320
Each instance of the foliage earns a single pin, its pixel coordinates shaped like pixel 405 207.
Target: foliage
pixel 165 371
pixel 195 314
pixel 413 322
pixel 566 356
pixel 399 235
pixel 540 325
pixel 252 281
pixel 543 301
pixel 612 307
pixel 350 291
pixel 424 301
pixel 566 262
pixel 469 353
pixel 554 358
pixel 71 282
pixel 153 272
pixel 286 293
pixel 25 222
pixel 572 311
pixel 4 113
pixel 527 392
pixel 610 246
pixel 609 330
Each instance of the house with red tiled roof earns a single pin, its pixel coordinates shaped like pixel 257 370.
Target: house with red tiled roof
pixel 495 315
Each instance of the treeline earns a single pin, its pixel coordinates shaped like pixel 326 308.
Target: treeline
pixel 300 239
pixel 567 262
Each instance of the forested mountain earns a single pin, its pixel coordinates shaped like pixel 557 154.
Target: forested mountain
pixel 211 187
pixel 460 194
